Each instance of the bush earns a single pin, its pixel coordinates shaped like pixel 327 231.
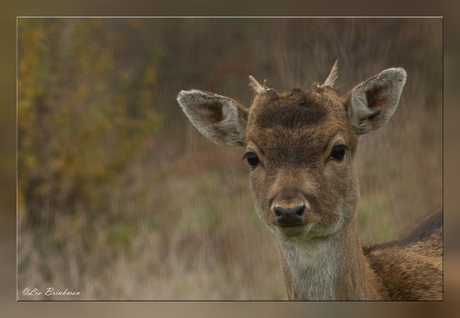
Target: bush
pixel 85 110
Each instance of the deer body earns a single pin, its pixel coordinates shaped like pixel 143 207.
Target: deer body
pixel 300 146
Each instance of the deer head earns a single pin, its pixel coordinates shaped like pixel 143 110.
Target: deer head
pixel 300 146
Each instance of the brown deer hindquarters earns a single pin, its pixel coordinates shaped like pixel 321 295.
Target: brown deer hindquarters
pixel 300 146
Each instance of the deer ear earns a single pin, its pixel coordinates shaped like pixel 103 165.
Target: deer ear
pixel 373 102
pixel 218 118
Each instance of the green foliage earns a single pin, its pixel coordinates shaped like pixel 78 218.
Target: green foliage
pixel 119 237
pixel 371 208
pixel 85 109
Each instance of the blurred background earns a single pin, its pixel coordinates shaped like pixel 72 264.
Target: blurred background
pixel 120 198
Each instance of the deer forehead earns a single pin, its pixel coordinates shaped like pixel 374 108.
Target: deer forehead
pixel 296 109
pixel 297 124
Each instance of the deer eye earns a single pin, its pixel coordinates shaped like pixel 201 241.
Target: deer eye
pixel 252 158
pixel 338 152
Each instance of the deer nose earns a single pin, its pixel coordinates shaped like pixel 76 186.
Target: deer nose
pixel 289 216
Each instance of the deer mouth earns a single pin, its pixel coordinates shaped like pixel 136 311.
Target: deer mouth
pixel 294 230
pixel 290 225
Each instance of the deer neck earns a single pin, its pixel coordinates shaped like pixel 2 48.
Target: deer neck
pixel 331 268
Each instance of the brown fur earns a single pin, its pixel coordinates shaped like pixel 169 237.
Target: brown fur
pixel 399 264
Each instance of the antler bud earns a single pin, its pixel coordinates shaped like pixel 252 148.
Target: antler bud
pixel 257 88
pixel 332 76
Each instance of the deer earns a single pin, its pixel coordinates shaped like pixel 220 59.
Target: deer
pixel 300 146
